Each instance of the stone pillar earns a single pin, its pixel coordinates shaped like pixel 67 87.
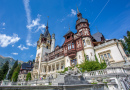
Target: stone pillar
pixel 59 65
pixel 55 66
pixel 51 67
pixel 47 69
pixel 43 68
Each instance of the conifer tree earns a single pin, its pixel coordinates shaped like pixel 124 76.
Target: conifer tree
pixel 28 76
pixel 12 69
pixel 5 69
pixel 15 73
pixel 127 42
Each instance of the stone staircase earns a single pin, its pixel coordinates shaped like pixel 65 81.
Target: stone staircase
pixel 58 79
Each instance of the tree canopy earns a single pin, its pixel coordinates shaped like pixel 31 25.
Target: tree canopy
pixel 12 69
pixel 28 76
pixel 4 70
pixel 126 43
pixel 15 73
pixel 89 65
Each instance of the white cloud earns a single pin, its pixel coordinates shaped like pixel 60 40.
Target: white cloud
pixel 12 45
pixel 41 27
pixel 27 9
pixel 3 28
pixel 73 12
pixel 22 47
pixel 31 44
pixel 3 24
pixel 31 56
pixel 34 27
pixel 32 24
pixel 122 39
pixel 6 40
pixel 14 53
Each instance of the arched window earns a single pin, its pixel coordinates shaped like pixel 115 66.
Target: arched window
pixel 84 43
pixel 88 42
pixel 79 56
pixel 47 47
pixel 72 45
pixel 87 57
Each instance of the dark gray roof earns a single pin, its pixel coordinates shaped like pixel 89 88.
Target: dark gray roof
pixel 27 65
pixel 68 32
pixel 80 19
pixel 46 33
pixel 97 36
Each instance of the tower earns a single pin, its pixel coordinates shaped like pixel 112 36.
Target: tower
pixel 83 30
pixel 43 47
pixel 53 42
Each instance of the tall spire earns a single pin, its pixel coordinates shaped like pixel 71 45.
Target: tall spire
pixel 79 15
pixel 46 31
pixel 47 23
pixel 77 10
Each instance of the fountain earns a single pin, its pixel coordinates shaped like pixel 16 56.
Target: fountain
pixel 71 77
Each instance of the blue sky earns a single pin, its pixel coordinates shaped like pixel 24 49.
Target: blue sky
pixel 22 21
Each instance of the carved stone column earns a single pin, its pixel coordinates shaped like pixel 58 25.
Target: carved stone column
pixel 51 67
pixel 59 65
pixel 55 66
pixel 47 69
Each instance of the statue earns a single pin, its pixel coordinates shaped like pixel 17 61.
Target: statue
pixel 74 70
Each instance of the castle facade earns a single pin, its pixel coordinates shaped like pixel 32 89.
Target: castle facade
pixel 76 47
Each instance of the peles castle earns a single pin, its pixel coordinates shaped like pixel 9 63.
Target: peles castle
pixel 76 47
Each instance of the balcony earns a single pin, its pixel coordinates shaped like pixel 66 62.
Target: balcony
pixel 71 53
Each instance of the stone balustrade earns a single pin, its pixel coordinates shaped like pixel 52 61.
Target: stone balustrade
pixel 109 71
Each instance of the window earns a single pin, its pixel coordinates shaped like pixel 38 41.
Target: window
pixel 69 46
pixel 81 33
pixel 74 61
pixel 105 55
pixel 88 42
pixel 72 45
pixel 84 42
pixel 102 57
pixel 87 57
pixel 68 37
pixel 47 47
pixel 79 56
pixel 108 54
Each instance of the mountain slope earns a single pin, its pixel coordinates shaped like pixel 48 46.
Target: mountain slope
pixel 10 60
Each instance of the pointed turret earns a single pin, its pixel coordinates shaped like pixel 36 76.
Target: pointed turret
pixel 79 15
pixel 81 21
pixel 53 43
pixel 46 31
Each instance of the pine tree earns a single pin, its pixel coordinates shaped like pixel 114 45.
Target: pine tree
pixel 127 42
pixel 28 76
pixel 5 69
pixel 12 69
pixel 1 75
pixel 15 73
